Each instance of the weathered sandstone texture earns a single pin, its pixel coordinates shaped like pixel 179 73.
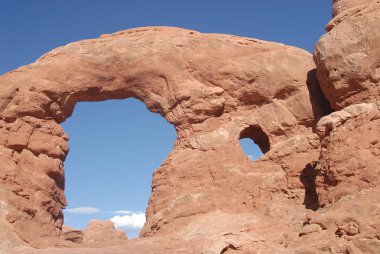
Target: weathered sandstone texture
pixel 72 234
pixel 347 173
pixel 348 67
pixel 348 56
pixel 340 6
pixel 350 151
pixel 214 89
pixel 315 190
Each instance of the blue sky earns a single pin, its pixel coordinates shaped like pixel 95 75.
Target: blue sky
pixel 115 145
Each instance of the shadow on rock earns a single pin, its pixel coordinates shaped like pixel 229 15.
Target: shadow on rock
pixel 307 178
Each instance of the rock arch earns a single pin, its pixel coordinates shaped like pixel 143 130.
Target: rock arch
pixel 184 76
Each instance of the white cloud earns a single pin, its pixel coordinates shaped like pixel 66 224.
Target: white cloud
pixel 250 156
pixel 83 210
pixel 131 221
pixel 122 212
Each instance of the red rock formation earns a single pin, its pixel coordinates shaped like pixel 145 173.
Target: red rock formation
pixel 211 102
pixel 349 165
pixel 347 56
pixel 314 191
pixel 102 233
pixel 339 6
pixel 350 151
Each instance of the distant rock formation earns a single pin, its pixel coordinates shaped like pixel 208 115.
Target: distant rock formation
pixel 315 190
pixel 102 232
pixel 98 233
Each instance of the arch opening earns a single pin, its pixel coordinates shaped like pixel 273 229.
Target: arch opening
pixel 114 147
pixel 254 142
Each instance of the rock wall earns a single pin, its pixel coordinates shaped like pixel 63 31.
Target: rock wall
pixel 314 191
pixel 348 55
pixel 350 151
pixel 347 181
pixel 348 68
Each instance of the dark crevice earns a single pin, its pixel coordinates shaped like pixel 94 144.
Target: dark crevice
pixel 307 178
pixel 58 178
pixel 320 105
pixel 230 246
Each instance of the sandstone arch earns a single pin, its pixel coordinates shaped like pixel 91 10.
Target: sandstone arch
pixel 184 76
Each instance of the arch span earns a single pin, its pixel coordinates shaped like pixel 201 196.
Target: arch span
pixel 182 75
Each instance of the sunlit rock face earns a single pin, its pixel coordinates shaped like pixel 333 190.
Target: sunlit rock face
pixel 340 6
pixel 347 57
pixel 348 69
pixel 207 196
pixel 347 181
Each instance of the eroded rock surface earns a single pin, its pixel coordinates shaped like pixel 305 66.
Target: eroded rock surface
pixel 315 190
pixel 347 57
pixel 72 234
pixel 346 174
pixel 350 151
pixel 340 6
pixel 212 88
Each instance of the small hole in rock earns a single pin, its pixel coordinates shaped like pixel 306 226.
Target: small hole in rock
pixel 254 142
